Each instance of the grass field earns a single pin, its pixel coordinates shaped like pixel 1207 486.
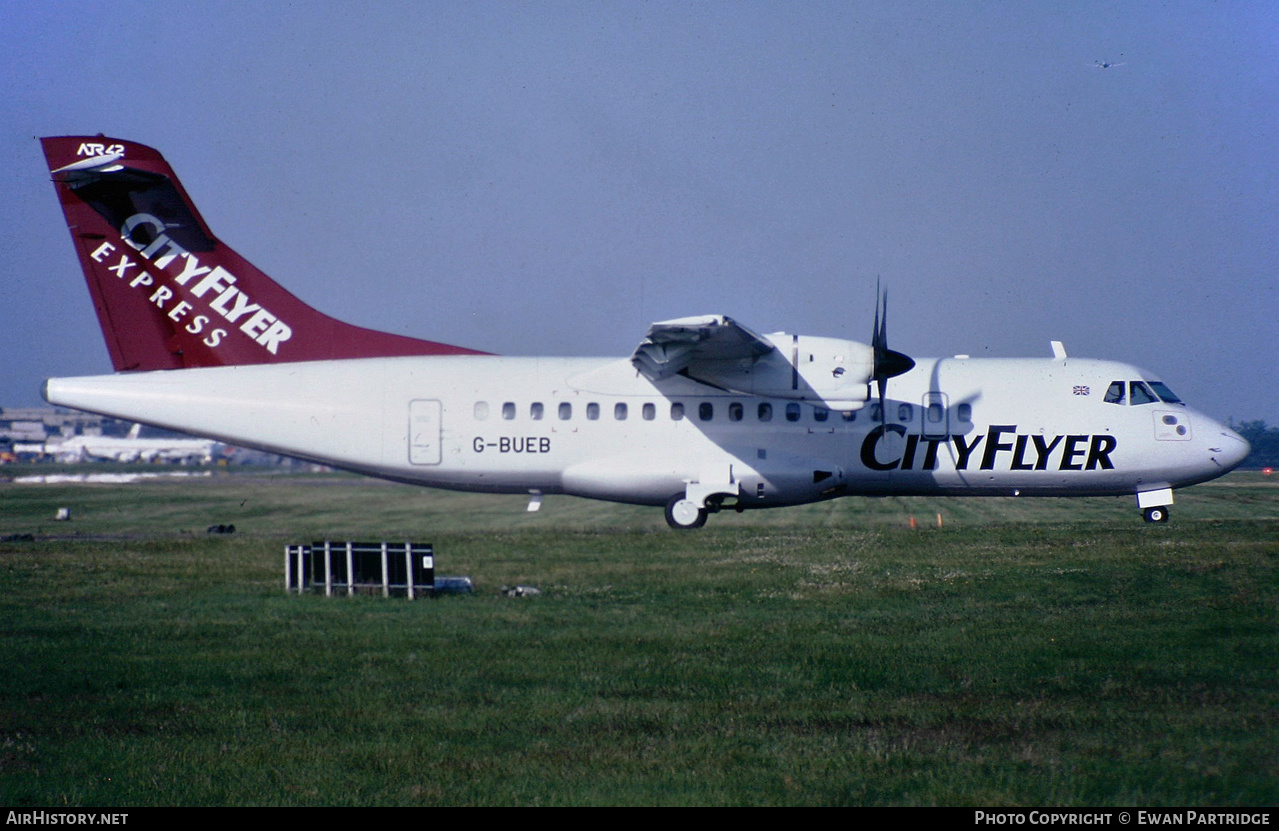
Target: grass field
pixel 1027 652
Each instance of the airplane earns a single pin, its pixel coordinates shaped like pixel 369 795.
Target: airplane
pixel 706 414
pixel 132 448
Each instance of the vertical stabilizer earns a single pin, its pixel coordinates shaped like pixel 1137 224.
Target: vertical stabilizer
pixel 168 293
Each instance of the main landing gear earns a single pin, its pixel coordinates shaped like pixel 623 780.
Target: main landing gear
pixel 1157 513
pixel 684 514
pixel 688 510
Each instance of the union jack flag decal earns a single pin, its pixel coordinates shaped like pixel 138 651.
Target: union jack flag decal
pixel 1082 391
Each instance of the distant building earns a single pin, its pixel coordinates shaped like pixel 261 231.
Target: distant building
pixel 37 424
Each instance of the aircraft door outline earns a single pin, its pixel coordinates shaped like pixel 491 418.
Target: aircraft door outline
pixel 935 423
pixel 425 431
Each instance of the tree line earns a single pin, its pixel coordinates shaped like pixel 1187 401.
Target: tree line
pixel 1264 441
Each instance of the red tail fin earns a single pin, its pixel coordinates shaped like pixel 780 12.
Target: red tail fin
pixel 168 293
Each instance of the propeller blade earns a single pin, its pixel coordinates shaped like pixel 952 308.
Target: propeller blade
pixel 874 336
pixel 888 363
pixel 883 325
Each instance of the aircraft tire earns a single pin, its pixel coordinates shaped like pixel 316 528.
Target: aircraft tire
pixel 1158 513
pixel 684 514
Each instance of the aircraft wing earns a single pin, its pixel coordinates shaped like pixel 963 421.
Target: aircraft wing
pixel 688 343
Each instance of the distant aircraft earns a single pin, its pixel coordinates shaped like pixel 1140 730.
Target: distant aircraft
pixel 1105 65
pixel 705 415
pixel 132 448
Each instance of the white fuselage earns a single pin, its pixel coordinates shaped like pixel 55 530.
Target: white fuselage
pixel 599 429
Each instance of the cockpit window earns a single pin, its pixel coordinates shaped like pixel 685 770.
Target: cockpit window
pixel 1165 394
pixel 1140 393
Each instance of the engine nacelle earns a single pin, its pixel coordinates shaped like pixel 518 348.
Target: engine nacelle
pixel 835 372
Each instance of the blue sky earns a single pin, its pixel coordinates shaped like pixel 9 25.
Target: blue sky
pixel 549 178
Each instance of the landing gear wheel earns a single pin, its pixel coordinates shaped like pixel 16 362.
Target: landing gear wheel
pixel 684 514
pixel 1159 513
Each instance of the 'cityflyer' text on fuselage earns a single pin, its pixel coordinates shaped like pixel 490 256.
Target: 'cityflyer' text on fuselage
pixel 1023 451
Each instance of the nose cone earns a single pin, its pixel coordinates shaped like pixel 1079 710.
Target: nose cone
pixel 1227 447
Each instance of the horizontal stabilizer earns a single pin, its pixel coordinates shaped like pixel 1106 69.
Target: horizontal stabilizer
pixel 88 170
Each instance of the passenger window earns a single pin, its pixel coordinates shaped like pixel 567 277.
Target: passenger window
pixel 964 412
pixel 593 411
pixel 849 415
pixel 876 412
pixel 792 412
pixel 536 410
pixel 706 411
pixel 508 410
pixel 735 411
pixel 820 413
pixel 650 412
pixel 481 410
pixel 935 413
pixel 905 412
pixel 566 411
pixel 619 411
pixel 765 412
pixel 677 411
pixel 1115 394
pixel 1139 394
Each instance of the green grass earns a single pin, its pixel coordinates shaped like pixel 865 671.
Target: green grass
pixel 1046 652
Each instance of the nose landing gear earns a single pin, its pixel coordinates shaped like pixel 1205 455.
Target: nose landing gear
pixel 1154 504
